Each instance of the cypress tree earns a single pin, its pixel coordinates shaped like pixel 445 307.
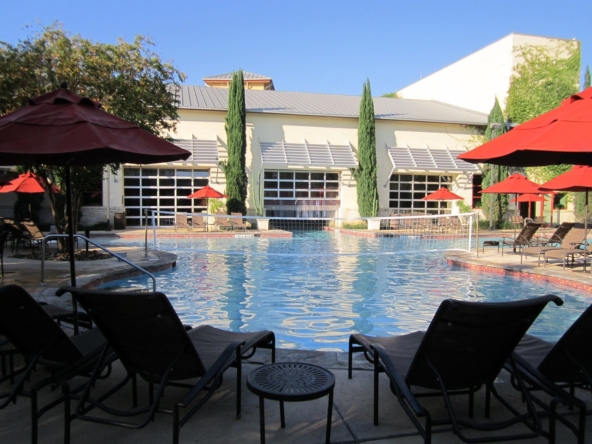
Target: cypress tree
pixel 235 167
pixel 496 116
pixel 365 174
pixel 587 78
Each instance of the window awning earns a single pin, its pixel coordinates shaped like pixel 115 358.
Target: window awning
pixel 307 154
pixel 203 152
pixel 430 160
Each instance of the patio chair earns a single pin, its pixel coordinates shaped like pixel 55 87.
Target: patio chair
pixel 17 232
pixel 394 224
pixel 464 348
pixel 559 370
pixel 567 235
pixel 152 343
pixel 221 221
pixel 198 222
pixel 540 220
pixel 517 220
pixel 34 334
pixel 569 255
pixel 237 222
pixel 35 235
pixel 523 239
pixel 181 222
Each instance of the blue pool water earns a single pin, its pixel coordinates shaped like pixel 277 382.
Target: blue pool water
pixel 315 289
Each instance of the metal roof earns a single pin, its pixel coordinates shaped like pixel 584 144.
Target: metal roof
pixel 329 105
pixel 307 154
pixel 203 152
pixel 246 76
pixel 429 159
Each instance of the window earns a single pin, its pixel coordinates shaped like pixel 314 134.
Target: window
pixel 164 189
pixel 296 193
pixel 407 190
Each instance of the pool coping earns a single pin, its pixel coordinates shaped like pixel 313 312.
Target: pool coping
pixel 493 264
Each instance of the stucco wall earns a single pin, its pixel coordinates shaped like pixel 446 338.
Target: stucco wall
pixel 474 81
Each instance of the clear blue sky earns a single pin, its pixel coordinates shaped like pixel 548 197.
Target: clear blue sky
pixel 325 46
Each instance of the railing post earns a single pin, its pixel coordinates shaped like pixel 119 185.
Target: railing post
pixel 145 233
pixel 43 261
pixel 153 231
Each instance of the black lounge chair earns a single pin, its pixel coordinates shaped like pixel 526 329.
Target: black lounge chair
pixel 7 350
pixel 34 334
pixel 559 369
pixel 522 240
pixel 464 348
pixel 152 343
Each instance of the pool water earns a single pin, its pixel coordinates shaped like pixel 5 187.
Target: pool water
pixel 315 289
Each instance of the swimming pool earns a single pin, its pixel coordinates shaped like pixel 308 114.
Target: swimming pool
pixel 315 289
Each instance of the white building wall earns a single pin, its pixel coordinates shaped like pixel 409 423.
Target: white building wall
pixel 476 80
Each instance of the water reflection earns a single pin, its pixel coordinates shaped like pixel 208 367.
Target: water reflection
pixel 313 292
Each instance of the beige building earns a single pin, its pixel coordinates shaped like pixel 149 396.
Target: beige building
pixel 300 151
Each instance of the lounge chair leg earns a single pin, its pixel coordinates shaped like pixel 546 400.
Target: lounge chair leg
pixel 349 359
pixel 34 417
pixel 67 418
pixel 176 427
pixel 329 418
pixel 238 382
pixel 376 382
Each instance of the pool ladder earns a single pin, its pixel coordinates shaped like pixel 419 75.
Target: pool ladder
pixel 119 257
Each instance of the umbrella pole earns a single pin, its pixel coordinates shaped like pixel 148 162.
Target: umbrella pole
pixel 586 230
pixel 70 227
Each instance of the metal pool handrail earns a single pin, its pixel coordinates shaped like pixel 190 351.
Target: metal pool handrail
pixel 84 238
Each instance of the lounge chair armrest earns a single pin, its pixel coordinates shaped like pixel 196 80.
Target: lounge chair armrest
pixel 533 375
pixel 509 238
pixel 221 364
pixel 63 290
pixel 396 378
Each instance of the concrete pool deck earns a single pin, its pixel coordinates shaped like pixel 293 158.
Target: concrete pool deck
pixel 216 423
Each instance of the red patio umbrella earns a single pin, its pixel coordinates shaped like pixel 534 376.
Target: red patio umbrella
pixel 207 193
pixel 560 136
pixel 529 197
pixel 513 184
pixel 578 179
pixel 63 128
pixel 442 194
pixel 25 183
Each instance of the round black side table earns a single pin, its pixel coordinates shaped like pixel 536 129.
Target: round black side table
pixel 291 382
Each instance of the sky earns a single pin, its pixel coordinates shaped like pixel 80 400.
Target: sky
pixel 320 46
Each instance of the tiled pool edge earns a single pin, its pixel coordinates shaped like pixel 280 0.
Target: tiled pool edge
pixel 512 271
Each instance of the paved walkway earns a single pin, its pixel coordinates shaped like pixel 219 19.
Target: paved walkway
pixel 215 423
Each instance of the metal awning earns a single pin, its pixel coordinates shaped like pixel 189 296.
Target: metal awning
pixel 203 152
pixel 307 154
pixel 430 160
